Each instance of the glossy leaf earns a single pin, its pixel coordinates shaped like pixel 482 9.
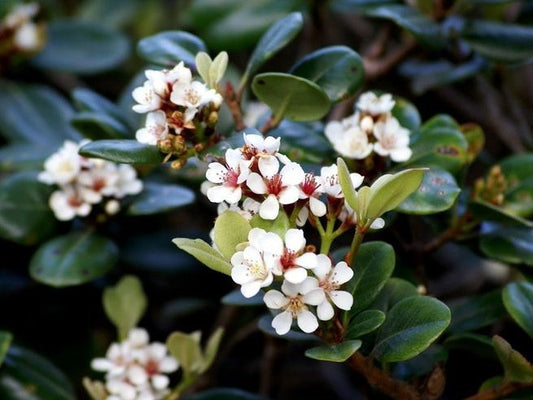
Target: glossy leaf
pixel 474 343
pixel 20 157
pixel 334 353
pixel 509 244
pixel 231 229
pixel 291 97
pixel 411 326
pixel 82 47
pixel 25 216
pixel 5 341
pixel 348 190
pixel 125 304
pixel 518 300
pixel 336 69
pixel 73 259
pixel 373 266
pixel 235 298
pixel 437 192
pixel 170 47
pixel 364 322
pixel 422 365
pixel 29 376
pixel 35 114
pixel 87 100
pixel 517 168
pixel 160 197
pixel 275 38
pixel 186 349
pixel 476 312
pixel 204 253
pixel 515 366
pixel 265 326
pixel 485 211
pixel 280 225
pixel 395 289
pixel 123 151
pixel 406 114
pixel 95 126
pixel 519 199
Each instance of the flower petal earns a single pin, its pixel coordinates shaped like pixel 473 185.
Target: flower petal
pixel 325 311
pixel 275 299
pixel 269 209
pixel 282 322
pixel 342 299
pixel 307 321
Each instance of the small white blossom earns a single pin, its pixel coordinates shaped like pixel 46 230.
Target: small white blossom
pixel 392 140
pixel 370 103
pixel 311 189
pixel 63 166
pixel 147 98
pixel 27 37
pixel 193 96
pixel 329 180
pixel 95 183
pixel 68 203
pixel 127 182
pixel 155 128
pixel 348 140
pixel 347 215
pixel 293 300
pixel 228 178
pixel 263 151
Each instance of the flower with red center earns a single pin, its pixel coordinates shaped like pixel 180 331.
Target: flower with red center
pixel 311 189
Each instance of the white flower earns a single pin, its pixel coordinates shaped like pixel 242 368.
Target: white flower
pixel 19 15
pixel 127 182
pixel 293 300
pixel 374 105
pixel 329 181
pixel 193 96
pixel 116 361
pixel 120 390
pixel 351 142
pixel 153 365
pixel 228 178
pixel 63 166
pixel 155 128
pixel 147 98
pixel 279 188
pixel 27 37
pixel 264 152
pixel 289 259
pixel 347 215
pixel 330 281
pixel 112 207
pixel 67 203
pixel 97 182
pixel 179 73
pixel 393 140
pixel 311 189
pixel 249 267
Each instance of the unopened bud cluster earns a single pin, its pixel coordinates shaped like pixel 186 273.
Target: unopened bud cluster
pixel 83 183
pixel 372 128
pixel 492 189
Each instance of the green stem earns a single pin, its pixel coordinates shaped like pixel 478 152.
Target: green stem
pixel 186 381
pixel 328 236
pixel 294 215
pixel 356 243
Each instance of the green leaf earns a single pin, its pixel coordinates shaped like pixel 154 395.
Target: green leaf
pixel 204 253
pixel 25 216
pixel 509 244
pixel 123 151
pixel 218 69
pixel 485 211
pixel 389 191
pixel 265 326
pixel 336 69
pixel 406 114
pixel 395 289
pixel 29 376
pixel 476 312
pixel 203 64
pixel 73 259
pixel 291 97
pixel 374 264
pixel 475 139
pixel 87 100
pixel 231 229
pixel 519 199
pixel 518 300
pixel 211 349
pixel 125 304
pixel 517 168
pixel 437 192
pixel 170 47
pixel 95 125
pixel 276 38
pixel 421 365
pixel 335 353
pixel 350 195
pixel 411 326
pixel 5 341
pixel 35 114
pixel 20 157
pixel 479 345
pixel 235 298
pixel 499 41
pixel 225 394
pixel 364 322
pixel 516 367
pixel 186 349
pixel 160 197
pixel 82 47
pixel 279 226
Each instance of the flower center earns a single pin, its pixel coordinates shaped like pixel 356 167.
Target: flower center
pixel 309 185
pixel 152 367
pixel 295 306
pixel 74 201
pixel 288 259
pixel 274 185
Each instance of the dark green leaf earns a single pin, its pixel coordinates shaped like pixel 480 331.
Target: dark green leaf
pixel 518 300
pixel 364 322
pixel 485 211
pixel 87 100
pixel 95 126
pixel 116 13
pixel 291 97
pixel 509 244
pixel 517 168
pixel 336 69
pixel 479 345
pixel 335 353
pixel 160 197
pixel 204 253
pixel 516 367
pixel 225 394
pixel 25 216
pixel 265 325
pixel 5 341
pixel 437 192
pixel 406 114
pixel 169 48
pixel 123 151
pixel 20 156
pixel 35 114
pixel 26 375
pixel 235 298
pixel 125 304
pixel 422 364
pixel 476 312
pixel 373 267
pixel 395 289
pixel 82 47
pixel 519 199
pixel 73 259
pixel 411 326
pixel 275 38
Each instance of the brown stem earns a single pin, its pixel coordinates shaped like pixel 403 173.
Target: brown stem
pixel 438 241
pixel 380 380
pixel 234 106
pixel 375 68
pixel 500 391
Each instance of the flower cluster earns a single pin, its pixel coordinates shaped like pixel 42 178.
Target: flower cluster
pixel 83 182
pixel 19 32
pixel 371 128
pixel 181 112
pixel 271 184
pixel 136 369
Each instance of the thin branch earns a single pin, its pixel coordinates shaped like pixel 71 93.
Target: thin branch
pixel 234 106
pixel 375 68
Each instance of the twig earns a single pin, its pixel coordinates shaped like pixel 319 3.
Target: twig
pixel 500 391
pixel 375 68
pixel 234 106
pixel 377 47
